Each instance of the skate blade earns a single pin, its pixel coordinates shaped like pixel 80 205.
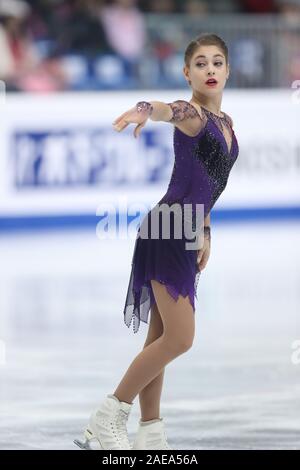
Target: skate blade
pixel 83 445
pixel 90 442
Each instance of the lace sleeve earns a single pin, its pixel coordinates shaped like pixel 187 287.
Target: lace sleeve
pixel 186 117
pixel 182 110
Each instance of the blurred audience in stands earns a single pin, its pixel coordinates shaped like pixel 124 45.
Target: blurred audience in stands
pixel 20 65
pixel 39 37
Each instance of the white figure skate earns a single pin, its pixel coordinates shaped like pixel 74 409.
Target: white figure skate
pixel 107 425
pixel 151 435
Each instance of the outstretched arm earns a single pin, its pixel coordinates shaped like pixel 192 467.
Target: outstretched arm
pixel 182 113
pixel 175 111
pixel 160 111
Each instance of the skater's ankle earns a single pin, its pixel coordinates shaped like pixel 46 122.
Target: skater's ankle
pixel 149 421
pixel 113 395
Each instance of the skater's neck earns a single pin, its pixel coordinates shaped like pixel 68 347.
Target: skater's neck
pixel 212 104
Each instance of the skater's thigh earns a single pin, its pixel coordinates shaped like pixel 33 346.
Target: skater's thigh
pixel 156 326
pixel 178 317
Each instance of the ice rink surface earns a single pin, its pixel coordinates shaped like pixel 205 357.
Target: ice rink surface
pixel 65 345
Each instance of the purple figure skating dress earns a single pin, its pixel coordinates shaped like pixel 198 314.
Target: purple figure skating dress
pixel 201 169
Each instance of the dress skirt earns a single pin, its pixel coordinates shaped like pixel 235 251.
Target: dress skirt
pixel 163 258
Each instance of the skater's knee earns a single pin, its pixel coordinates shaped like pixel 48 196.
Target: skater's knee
pixel 186 343
pixel 178 343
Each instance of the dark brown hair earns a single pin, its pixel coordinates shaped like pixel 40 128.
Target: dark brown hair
pixel 205 39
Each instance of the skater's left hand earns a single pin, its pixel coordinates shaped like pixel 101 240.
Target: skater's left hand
pixel 203 254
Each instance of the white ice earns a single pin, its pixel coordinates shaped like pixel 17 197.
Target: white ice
pixel 65 344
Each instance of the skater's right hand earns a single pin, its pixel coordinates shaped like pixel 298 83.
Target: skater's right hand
pixel 132 116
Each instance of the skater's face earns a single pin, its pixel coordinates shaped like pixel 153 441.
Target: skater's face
pixel 207 62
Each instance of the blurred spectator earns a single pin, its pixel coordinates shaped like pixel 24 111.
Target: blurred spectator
pixel 290 11
pixel 20 66
pixel 219 6
pixel 41 17
pixel 80 31
pixel 289 40
pixel 196 7
pixel 125 28
pixel 250 61
pixel 156 6
pixel 16 52
pixel 259 6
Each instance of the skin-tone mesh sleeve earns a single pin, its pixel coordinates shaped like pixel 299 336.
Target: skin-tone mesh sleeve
pixel 182 110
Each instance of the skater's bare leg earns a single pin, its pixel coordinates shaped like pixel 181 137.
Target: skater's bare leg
pixel 150 395
pixel 178 335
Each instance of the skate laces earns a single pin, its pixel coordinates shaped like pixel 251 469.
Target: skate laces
pixel 117 422
pixel 120 424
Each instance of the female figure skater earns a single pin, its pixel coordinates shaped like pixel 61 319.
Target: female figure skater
pixel 164 273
